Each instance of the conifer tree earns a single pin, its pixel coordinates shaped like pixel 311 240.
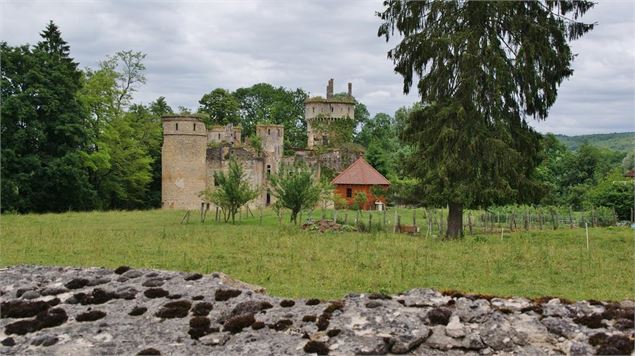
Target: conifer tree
pixel 484 69
pixel 44 128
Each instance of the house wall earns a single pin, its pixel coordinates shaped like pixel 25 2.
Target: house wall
pixel 340 190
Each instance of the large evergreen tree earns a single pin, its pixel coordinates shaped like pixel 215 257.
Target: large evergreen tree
pixel 45 131
pixel 484 69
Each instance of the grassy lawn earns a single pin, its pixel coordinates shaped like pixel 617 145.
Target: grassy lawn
pixel 294 263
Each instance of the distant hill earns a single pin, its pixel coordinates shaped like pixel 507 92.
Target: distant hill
pixel 619 141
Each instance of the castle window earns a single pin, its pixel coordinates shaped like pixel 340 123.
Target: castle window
pixel 314 109
pixel 278 132
pixel 268 169
pixel 325 140
pixel 268 131
pixel 177 126
pixel 331 108
pixel 219 136
pixel 268 199
pixel 349 192
pixel 194 127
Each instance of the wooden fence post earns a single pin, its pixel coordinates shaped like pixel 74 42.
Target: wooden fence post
pixel 469 222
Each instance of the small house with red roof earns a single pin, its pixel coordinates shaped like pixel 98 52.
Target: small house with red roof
pixel 360 176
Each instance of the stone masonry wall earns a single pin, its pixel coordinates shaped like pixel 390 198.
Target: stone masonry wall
pixel 97 311
pixel 183 162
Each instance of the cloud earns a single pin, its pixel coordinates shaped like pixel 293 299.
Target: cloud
pixel 195 46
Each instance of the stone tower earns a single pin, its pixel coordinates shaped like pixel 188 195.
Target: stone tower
pixel 319 111
pixel 183 162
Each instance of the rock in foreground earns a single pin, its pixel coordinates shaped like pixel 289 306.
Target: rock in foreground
pixel 49 310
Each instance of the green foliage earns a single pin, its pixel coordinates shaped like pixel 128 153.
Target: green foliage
pixel 296 188
pixel 619 141
pixel 339 132
pixel 232 190
pixel 359 200
pixel 480 80
pixel 568 176
pixel 45 129
pixel 264 103
pixel 255 142
pixel 221 107
pixel 124 165
pixel 613 191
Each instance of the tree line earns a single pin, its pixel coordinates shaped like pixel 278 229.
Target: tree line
pixel 73 139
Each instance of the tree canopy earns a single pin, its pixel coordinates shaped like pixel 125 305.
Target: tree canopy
pixel 484 69
pixel 296 188
pixel 231 190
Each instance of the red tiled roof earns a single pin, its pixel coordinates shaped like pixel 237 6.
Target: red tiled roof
pixel 630 173
pixel 360 172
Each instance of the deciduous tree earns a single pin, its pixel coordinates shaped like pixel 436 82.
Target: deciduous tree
pixel 296 188
pixel 231 191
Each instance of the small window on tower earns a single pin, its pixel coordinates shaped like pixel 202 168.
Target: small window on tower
pixel 268 131
pixel 219 136
pixel 194 127
pixel 268 169
pixel 349 192
pixel 177 126
pixel 314 109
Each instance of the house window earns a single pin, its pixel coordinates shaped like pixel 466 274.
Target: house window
pixel 349 192
pixel 177 126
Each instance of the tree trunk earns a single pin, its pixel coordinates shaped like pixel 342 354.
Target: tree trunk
pixel 455 221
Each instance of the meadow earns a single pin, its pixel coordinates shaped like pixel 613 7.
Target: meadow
pixel 292 262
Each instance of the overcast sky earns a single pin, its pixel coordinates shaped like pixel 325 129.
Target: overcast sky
pixel 195 46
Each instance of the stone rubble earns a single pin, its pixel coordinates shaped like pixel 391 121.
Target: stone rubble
pixel 60 310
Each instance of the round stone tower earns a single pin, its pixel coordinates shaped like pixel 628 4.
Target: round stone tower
pixel 319 109
pixel 183 164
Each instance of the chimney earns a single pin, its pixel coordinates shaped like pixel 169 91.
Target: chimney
pixel 350 89
pixel 329 89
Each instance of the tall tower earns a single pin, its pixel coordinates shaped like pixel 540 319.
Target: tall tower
pixel 319 112
pixel 183 165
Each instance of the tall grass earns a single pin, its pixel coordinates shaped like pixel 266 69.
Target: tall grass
pixel 295 263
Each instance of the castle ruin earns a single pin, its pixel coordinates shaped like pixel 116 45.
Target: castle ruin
pixel 192 152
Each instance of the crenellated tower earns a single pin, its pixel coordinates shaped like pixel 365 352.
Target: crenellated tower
pixel 319 112
pixel 183 165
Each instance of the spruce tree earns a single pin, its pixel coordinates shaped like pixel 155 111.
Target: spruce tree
pixel 484 70
pixel 44 129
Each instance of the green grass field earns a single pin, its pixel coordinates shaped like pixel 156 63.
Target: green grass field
pixel 295 263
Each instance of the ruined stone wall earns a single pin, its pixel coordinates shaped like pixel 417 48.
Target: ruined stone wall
pixel 72 311
pixel 183 162
pixel 253 168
